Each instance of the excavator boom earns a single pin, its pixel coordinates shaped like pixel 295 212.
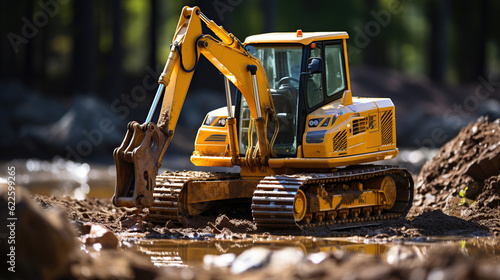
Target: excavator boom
pixel 140 155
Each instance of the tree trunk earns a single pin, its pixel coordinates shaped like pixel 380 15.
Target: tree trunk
pixel 115 67
pixel 471 23
pixel 269 7
pixel 29 59
pixel 439 17
pixel 84 47
pixel 153 31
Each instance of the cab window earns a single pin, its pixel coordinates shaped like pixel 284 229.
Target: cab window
pixel 334 69
pixel 314 88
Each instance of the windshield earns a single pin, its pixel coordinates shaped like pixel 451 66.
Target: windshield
pixel 281 63
pixel 282 66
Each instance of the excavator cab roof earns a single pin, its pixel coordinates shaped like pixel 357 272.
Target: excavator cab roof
pixel 304 38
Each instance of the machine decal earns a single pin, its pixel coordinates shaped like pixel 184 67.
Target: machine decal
pixel 317 136
pixel 216 138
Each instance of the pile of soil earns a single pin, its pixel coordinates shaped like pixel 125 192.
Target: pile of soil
pixel 90 210
pixel 463 178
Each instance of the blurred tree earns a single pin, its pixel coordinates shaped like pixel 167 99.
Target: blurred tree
pixel 470 19
pixel 29 61
pixel 104 46
pixel 153 33
pixel 269 8
pixel 115 70
pixel 375 54
pixel 439 17
pixel 84 47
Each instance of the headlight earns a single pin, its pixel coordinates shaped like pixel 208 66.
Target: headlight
pixel 314 122
pixel 221 122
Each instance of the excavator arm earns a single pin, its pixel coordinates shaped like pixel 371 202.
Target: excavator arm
pixel 140 155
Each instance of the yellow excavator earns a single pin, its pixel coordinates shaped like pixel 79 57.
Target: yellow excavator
pixel 295 130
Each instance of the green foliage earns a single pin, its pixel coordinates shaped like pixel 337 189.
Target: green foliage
pixel 407 43
pixel 462 195
pixel 135 35
pixel 462 192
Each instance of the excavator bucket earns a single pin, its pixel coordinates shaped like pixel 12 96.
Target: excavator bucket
pixel 137 161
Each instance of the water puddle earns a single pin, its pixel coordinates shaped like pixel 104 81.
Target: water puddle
pixel 181 253
pixel 63 177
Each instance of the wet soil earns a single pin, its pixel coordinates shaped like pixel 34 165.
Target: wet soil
pixel 90 210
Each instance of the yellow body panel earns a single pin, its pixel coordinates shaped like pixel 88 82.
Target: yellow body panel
pixel 367 199
pixel 355 131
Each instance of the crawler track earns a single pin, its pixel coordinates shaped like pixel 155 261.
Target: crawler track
pixel 273 201
pixel 166 196
pixel 168 193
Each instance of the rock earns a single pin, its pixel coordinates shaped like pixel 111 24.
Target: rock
pixel 44 240
pixel 224 260
pixel 398 253
pixel 114 264
pixel 251 259
pixel 259 257
pixel 317 257
pixel 286 257
pixel 102 236
pixel 132 223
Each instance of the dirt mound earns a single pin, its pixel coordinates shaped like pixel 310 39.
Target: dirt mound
pixel 235 225
pixel 462 179
pixel 95 210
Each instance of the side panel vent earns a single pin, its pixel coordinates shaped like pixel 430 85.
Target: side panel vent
pixel 387 121
pixel 340 141
pixel 372 124
pixel 358 126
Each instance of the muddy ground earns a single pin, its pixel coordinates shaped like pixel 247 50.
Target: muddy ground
pixel 457 194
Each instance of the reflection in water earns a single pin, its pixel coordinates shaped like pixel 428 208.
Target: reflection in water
pixel 174 252
pixel 63 177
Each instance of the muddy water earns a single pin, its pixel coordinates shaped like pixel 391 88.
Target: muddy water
pixel 181 253
pixel 62 177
